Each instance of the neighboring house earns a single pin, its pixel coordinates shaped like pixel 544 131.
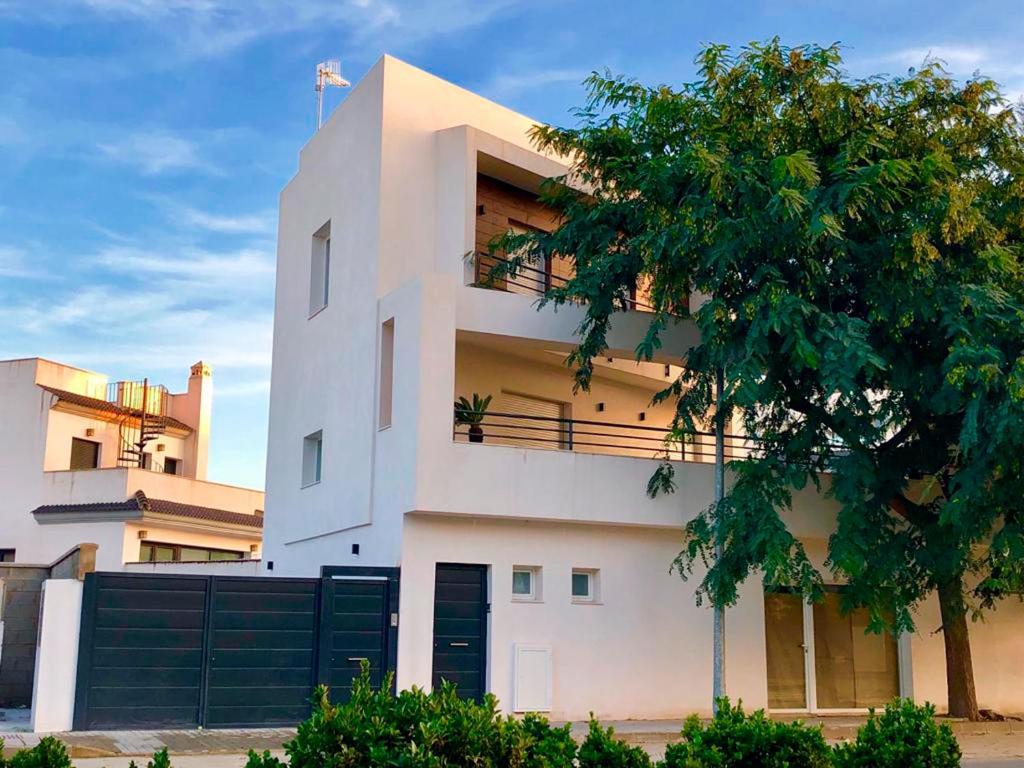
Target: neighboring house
pixel 120 464
pixel 532 563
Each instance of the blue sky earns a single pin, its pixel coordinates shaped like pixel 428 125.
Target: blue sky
pixel 143 144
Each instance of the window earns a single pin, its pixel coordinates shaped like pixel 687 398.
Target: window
pixel 320 269
pixel 387 372
pixel 525 583
pixel 584 585
pixel 170 466
pixel 6 555
pixel 155 552
pixel 312 458
pixel 85 454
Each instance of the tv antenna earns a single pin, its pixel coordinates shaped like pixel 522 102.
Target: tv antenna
pixel 327 73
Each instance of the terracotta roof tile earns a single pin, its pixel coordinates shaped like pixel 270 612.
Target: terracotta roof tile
pixel 142 503
pixel 95 403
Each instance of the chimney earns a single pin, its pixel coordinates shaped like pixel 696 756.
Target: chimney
pixel 200 397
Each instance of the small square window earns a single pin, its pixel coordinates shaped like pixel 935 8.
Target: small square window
pixel 584 585
pixel 312 458
pixel 525 583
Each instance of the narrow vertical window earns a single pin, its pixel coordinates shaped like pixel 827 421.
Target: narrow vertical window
pixel 312 458
pixel 387 371
pixel 320 269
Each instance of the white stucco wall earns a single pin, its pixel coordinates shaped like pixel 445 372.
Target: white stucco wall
pixel 643 652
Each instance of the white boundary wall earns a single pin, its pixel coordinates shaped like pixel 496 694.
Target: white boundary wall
pixel 53 692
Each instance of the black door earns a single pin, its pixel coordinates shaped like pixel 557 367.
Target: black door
pixel 357 610
pixel 460 628
pixel 262 641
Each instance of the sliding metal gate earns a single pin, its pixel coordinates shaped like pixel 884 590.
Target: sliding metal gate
pixel 224 651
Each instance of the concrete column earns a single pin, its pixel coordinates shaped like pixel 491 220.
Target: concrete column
pixel 53 691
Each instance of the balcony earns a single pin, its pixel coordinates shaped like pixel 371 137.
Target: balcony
pixel 600 437
pixel 531 280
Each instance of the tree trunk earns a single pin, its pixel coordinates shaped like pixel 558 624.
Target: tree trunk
pixel 963 699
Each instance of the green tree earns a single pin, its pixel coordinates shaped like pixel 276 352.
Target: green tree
pixel 860 245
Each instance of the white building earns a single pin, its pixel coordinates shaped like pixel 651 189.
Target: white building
pixel 118 464
pixel 532 563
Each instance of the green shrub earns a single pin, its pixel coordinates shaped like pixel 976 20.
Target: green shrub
pixel 903 736
pixel 48 753
pixel 265 760
pixel 602 750
pixel 734 739
pixel 160 760
pixel 419 729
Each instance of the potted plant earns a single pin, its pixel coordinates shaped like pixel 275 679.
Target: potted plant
pixel 472 413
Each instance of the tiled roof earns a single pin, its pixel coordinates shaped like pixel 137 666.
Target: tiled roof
pixel 84 401
pixel 142 503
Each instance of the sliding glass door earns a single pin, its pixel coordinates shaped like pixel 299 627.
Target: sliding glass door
pixel 822 659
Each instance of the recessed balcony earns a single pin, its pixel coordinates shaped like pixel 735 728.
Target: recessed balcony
pixel 530 403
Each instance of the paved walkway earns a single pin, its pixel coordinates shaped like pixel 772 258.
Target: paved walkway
pixel 985 745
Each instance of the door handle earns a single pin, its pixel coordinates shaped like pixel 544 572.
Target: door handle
pixel 459 645
pixel 357 658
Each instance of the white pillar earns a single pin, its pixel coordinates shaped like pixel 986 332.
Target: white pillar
pixel 53 691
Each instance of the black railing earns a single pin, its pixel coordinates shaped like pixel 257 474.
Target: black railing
pixel 530 280
pixel 586 436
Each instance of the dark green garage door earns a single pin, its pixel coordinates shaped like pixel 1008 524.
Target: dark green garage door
pixel 141 655
pixel 262 651
pixel 218 651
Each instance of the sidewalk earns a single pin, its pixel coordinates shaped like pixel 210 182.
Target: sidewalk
pixel 989 743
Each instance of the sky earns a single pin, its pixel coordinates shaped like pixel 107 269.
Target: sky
pixel 143 144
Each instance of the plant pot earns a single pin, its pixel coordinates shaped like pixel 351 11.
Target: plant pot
pixel 476 433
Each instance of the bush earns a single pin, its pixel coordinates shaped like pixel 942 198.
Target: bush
pixel 160 760
pixel 734 740
pixel 602 750
pixel 48 753
pixel 419 729
pixel 903 736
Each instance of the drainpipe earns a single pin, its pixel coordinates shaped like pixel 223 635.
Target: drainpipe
pixel 718 643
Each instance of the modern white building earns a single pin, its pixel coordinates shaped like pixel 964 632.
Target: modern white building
pixel 117 464
pixel 532 563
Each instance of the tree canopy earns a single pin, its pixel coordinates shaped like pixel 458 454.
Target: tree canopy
pixel 857 246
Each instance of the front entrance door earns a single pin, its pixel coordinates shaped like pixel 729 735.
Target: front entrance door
pixel 821 659
pixel 460 628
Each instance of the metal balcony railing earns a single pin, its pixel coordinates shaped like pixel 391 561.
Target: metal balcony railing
pixel 532 280
pixel 584 436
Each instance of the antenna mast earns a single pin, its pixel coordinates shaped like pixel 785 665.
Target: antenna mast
pixel 327 73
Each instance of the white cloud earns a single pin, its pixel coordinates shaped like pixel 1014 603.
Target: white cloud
pixel 156 153
pixel 14 263
pixel 207 28
pixel 506 85
pixel 206 270
pixel 246 224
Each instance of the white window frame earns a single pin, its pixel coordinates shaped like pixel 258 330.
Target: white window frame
pixel 312 452
pixel 534 595
pixel 593 592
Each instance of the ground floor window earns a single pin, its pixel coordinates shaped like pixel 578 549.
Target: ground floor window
pixel 820 658
pixel 156 552
pixel 6 555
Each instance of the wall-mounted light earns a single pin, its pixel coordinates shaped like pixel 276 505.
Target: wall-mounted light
pixel 600 407
pixel 480 211
pixel 668 369
pixel 254 548
pixel 143 534
pixel 642 416
pixel 355 549
pixel 90 431
pixel 160 447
